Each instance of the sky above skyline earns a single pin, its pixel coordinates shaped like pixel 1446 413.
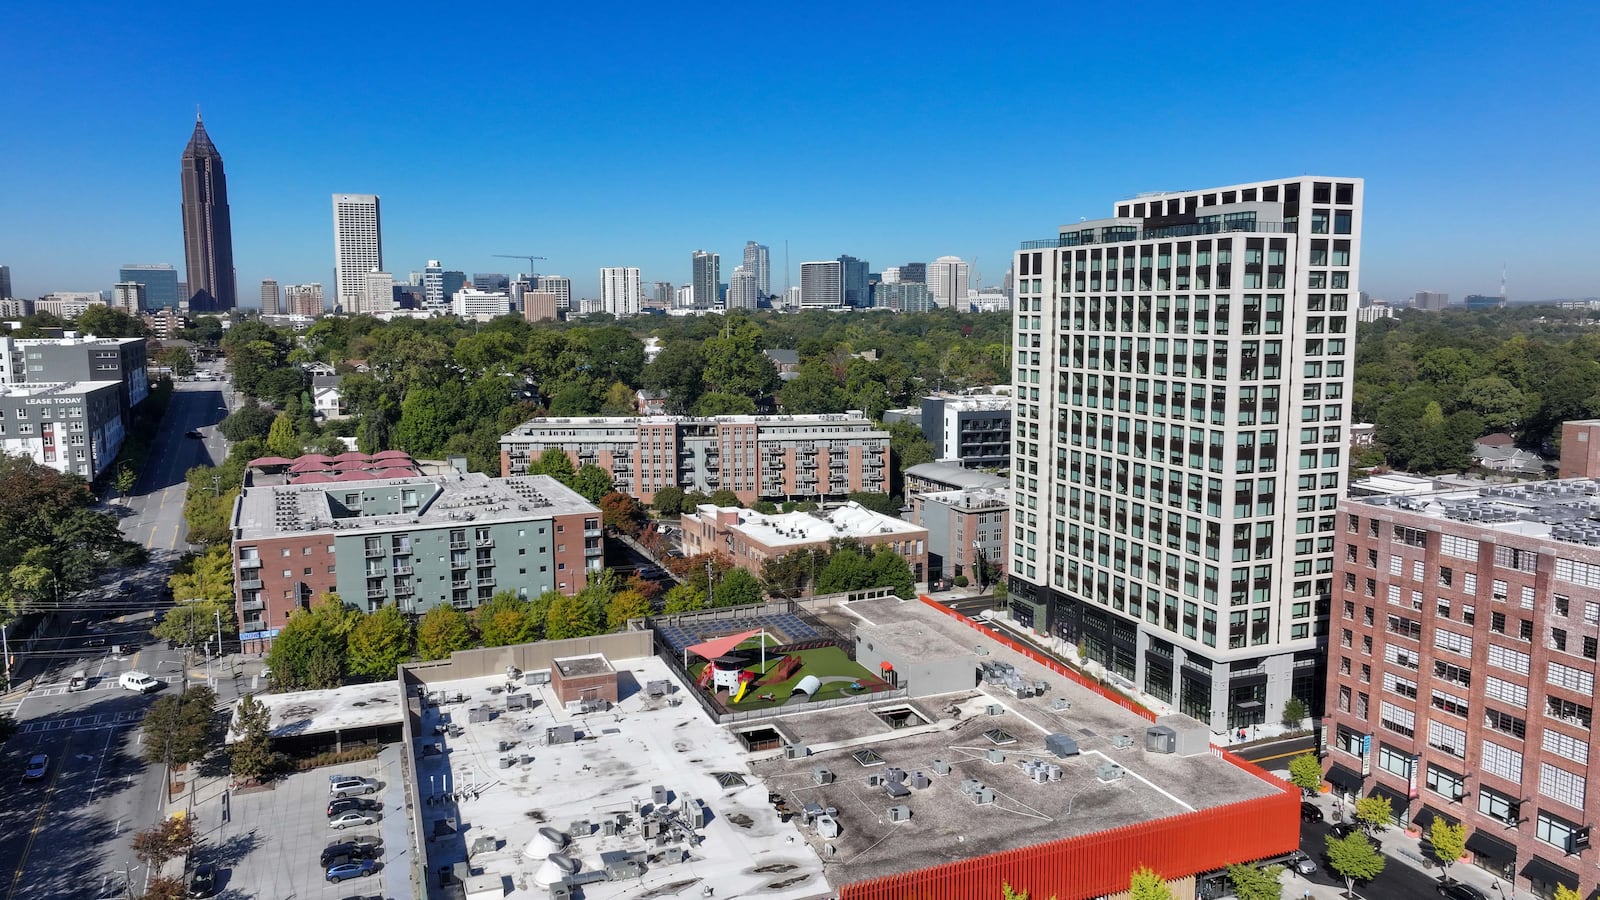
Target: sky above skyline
pixel 608 134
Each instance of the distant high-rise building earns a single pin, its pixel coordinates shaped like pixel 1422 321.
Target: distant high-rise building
pixel 686 297
pixel 903 296
pixel 1483 301
pixel 947 280
pixel 620 291
pixel 160 284
pixel 303 300
pixel 1430 300
pixel 917 272
pixel 891 275
pixel 742 290
pixel 433 295
pixel 269 297
pixel 207 226
pixel 791 297
pixel 128 296
pixel 707 274
pixel 853 274
pixel 539 306
pixel 377 293
pixel 357 246
pixel 453 281
pixel 664 294
pixel 490 281
pixel 5 282
pixel 758 262
pixel 561 286
pixel 821 285
pixel 480 306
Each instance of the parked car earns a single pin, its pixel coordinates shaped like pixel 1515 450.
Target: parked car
pixel 203 883
pixel 651 573
pixel 1344 829
pixel 353 869
pixel 347 804
pixel 1299 862
pixel 194 434
pixel 38 764
pixel 355 848
pixel 349 787
pixel 1452 890
pixel 138 682
pixel 1310 812
pixel 345 820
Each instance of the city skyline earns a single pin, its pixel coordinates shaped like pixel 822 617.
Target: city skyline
pixel 1400 79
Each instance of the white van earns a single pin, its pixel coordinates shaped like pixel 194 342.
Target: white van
pixel 139 682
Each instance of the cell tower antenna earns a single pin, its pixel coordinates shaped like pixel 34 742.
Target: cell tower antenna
pixel 1502 284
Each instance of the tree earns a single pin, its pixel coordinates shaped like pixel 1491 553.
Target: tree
pixel 622 512
pixel 194 623
pixel 380 642
pixel 205 576
pixel 252 420
pixel 504 619
pixel 1294 712
pixel 1374 812
pixel 888 569
pixel 882 504
pixel 1305 772
pixel 570 617
pixel 110 322
pixel 442 631
pixel 724 497
pixel 907 448
pixel 1251 883
pixel 668 501
pixel 177 728
pixel 164 887
pixel 1145 884
pixel 737 588
pixel 166 840
pixel 1354 859
pixel 555 463
pixel 1449 842
pixel 282 439
pixel 682 599
pixel 178 359
pixel 626 605
pixel 1565 893
pixel 250 754
pixel 592 482
pixel 125 481
pixel 717 403
pixel 310 650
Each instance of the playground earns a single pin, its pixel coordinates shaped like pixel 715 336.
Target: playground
pixel 754 671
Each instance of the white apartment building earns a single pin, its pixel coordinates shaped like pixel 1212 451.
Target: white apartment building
pixel 621 291
pixel 559 285
pixel 1182 381
pixel 758 262
pixel 948 277
pixel 822 285
pixel 433 285
pixel 481 306
pixel 377 293
pixel 357 247
pixel 128 296
pixel 742 290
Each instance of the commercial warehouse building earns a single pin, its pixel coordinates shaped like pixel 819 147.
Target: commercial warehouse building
pixel 750 538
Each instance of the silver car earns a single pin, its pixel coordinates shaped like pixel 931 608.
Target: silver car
pixel 345 820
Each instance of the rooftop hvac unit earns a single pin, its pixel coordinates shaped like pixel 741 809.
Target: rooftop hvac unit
pixel 940 767
pixel 896 790
pixel 996 756
pixel 899 813
pixel 1108 772
pixel 796 751
pixel 822 775
pixel 658 795
pixel 994 709
pixel 1061 745
pixel 1121 741
pixel 1160 739
pixel 828 826
pixel 983 796
pixel 920 780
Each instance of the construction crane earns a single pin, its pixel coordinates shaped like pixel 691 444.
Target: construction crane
pixel 527 257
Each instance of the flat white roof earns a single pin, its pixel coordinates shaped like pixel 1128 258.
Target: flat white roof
pixel 610 769
pixel 300 713
pixel 852 520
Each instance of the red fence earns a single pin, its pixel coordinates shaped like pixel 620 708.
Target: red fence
pixel 1093 865
pixel 1051 664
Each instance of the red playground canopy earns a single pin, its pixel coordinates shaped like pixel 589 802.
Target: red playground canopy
pixel 717 647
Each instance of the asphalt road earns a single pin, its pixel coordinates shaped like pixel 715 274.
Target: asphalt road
pixel 1397 881
pixel 1276 754
pixel 67 836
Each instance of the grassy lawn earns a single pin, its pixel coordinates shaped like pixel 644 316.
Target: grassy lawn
pixel 823 662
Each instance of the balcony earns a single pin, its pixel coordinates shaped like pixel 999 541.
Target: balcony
pixel 250 606
pixel 403 550
pixel 250 584
pixel 486 582
pixel 457 564
pixel 376 593
pixel 459 545
pixel 377 571
pixel 460 585
pixel 485 542
pixel 405 590
pixel 253 562
pixel 400 569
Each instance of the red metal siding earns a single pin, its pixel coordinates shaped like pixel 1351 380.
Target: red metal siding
pixel 1096 864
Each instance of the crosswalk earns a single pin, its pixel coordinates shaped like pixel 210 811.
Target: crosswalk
pixel 107 683
pixel 82 723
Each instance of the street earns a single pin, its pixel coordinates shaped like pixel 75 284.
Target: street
pixel 67 835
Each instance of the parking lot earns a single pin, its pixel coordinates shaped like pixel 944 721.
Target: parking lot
pixel 267 844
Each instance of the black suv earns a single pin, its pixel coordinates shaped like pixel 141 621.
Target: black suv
pixel 352 804
pixel 1453 891
pixel 357 848
pixel 1310 812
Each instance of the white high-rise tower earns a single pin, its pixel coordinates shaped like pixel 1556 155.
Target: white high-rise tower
pixel 357 246
pixel 621 292
pixel 758 262
pixel 1180 434
pixel 947 281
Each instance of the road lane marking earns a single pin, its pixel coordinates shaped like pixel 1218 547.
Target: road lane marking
pixel 1263 759
pixel 38 823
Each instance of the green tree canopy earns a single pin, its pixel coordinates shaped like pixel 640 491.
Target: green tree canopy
pixel 1449 842
pixel 204 576
pixel 251 754
pixel 250 420
pixel 555 463
pixel 1305 772
pixel 505 619
pixel 1253 883
pixel 309 652
pixel 441 631
pixel 592 482
pixel 571 617
pixel 194 623
pixel 1145 884
pixel 668 500
pixel 177 727
pixel 1353 858
pixel 380 642
pixel 737 588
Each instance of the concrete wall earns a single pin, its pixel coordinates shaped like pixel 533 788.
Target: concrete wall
pixel 922 677
pixel 530 657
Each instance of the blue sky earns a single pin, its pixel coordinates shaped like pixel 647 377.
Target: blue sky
pixel 631 134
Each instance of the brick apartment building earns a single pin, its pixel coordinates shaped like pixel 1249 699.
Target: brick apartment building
pixel 966 529
pixel 756 457
pixel 416 542
pixel 750 538
pixel 1461 683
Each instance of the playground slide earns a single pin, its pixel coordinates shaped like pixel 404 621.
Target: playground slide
pixel 706 675
pixel 743 687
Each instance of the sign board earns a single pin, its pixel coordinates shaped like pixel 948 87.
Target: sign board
pixel 259 635
pixel 1366 755
pixel 1416 763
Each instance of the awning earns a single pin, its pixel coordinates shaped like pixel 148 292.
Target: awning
pixel 1344 777
pixel 1397 799
pixel 1251 704
pixel 1427 814
pixel 1485 843
pixel 1548 872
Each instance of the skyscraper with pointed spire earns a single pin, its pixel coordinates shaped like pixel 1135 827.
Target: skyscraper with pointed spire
pixel 207 227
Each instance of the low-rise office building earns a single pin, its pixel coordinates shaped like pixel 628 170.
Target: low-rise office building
pixel 70 359
pixel 966 531
pixel 756 457
pixel 972 429
pixel 1461 683
pixel 415 543
pixel 751 538
pixel 932 477
pixel 74 428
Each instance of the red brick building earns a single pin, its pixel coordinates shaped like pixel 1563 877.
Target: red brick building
pixel 750 538
pixel 1465 631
